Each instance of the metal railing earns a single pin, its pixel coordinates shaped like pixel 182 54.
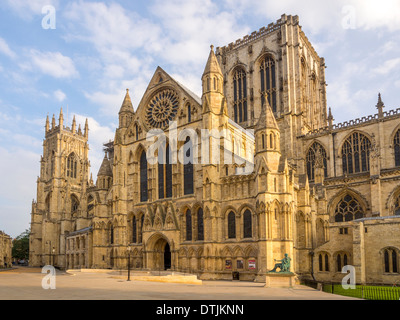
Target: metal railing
pixel 360 292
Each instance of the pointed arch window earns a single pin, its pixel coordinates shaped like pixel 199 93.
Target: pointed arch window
pixel 188 225
pixel 188 185
pixel 74 204
pixel 391 260
pixel 231 225
pixel 164 173
pixel 397 148
pixel 247 225
pixel 268 82
pixel 348 209
pixel 143 178
pixel 355 154
pixel 71 166
pixel 200 225
pixel 112 235
pixel 240 96
pixel 189 112
pixel 339 263
pixel 134 230
pixel 323 261
pixel 316 155
pixel 397 206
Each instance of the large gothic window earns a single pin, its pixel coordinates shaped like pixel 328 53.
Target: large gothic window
pixel 247 225
pixel 188 225
pixel 240 96
pixel 143 178
pixel 348 209
pixel 397 148
pixel 355 154
pixel 316 156
pixel 188 168
pixel 231 225
pixel 268 82
pixel 200 225
pixel 71 166
pixel 164 173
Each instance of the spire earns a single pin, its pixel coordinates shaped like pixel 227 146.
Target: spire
pixel 330 119
pixel 127 104
pixel 212 65
pixel 73 125
pixel 86 130
pixel 79 130
pixel 53 122
pixel 47 123
pixel 380 106
pixel 267 119
pixel 61 119
pixel 105 168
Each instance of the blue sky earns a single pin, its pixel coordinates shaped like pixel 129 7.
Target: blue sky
pixel 100 48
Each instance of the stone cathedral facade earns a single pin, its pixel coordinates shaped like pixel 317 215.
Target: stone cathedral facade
pixel 326 194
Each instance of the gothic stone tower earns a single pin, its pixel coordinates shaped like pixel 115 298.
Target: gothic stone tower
pixel 61 192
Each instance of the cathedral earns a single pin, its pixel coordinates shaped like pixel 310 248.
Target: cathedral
pixel 227 183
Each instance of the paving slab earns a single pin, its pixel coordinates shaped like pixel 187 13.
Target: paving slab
pixel 26 284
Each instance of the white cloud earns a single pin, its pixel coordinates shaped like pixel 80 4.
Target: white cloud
pixel 387 67
pixel 5 49
pixel 59 95
pixel 53 64
pixel 28 9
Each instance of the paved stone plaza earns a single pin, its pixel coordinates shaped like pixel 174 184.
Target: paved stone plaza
pixel 26 284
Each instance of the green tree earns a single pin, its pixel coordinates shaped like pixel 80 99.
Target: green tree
pixel 20 249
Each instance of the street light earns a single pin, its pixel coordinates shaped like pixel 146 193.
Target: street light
pixel 54 251
pixel 129 263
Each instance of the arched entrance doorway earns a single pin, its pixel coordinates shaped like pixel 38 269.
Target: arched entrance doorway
pixel 161 256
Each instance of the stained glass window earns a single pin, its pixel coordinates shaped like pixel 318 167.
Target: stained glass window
pixel 240 96
pixel 348 209
pixel 247 224
pixel 268 82
pixel 316 150
pixel 143 178
pixel 71 166
pixel 200 225
pixel 397 148
pixel 397 207
pixel 134 231
pixel 164 173
pixel 188 168
pixel 355 154
pixel 188 225
pixel 231 225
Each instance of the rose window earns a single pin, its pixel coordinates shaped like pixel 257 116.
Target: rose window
pixel 162 109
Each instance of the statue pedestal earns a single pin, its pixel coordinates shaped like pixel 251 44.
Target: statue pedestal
pixel 280 280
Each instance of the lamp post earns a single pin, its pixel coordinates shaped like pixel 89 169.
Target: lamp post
pixel 129 263
pixel 54 251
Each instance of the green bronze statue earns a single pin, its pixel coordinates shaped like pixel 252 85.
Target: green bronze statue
pixel 284 264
